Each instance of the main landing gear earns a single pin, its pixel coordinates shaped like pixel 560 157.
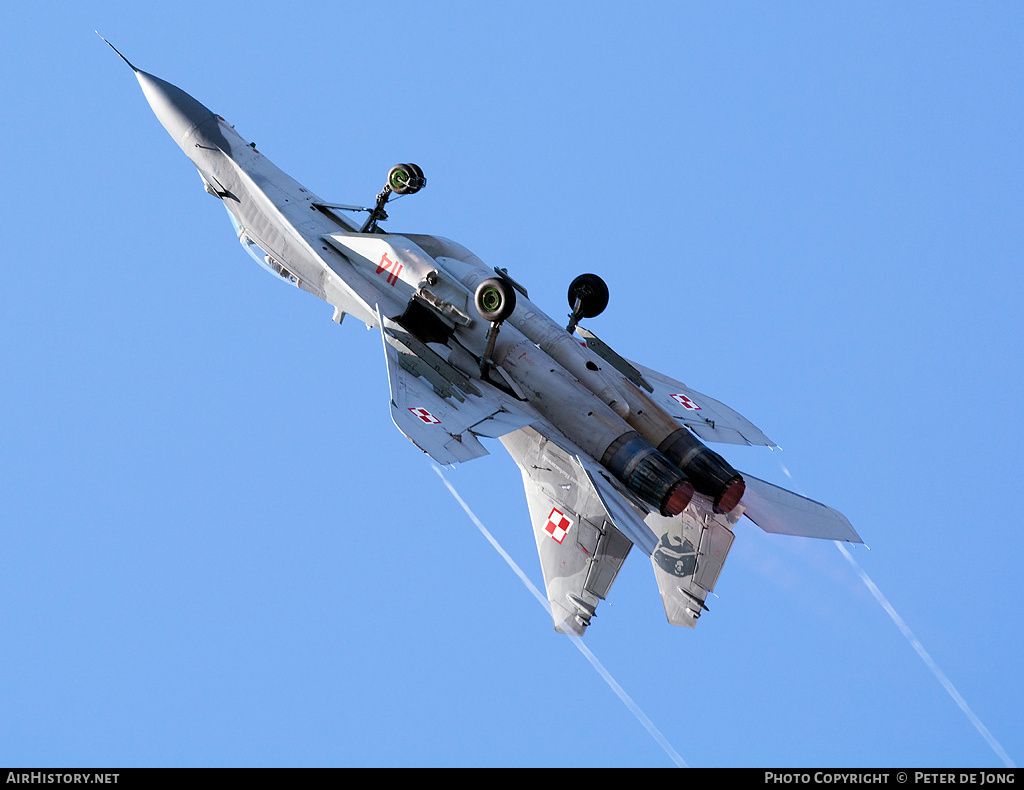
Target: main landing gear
pixel 495 300
pixel 588 297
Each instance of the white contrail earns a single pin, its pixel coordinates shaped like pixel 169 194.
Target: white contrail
pixel 628 702
pixel 928 660
pixel 916 644
pixel 619 691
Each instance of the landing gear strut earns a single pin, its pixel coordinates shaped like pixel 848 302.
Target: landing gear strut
pixel 495 300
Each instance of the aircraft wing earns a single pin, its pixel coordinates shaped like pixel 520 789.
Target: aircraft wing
pixel 578 535
pixel 710 419
pixel 438 408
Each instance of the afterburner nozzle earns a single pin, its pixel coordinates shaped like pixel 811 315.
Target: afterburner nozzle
pixel 678 499
pixel 710 473
pixel 648 474
pixel 732 495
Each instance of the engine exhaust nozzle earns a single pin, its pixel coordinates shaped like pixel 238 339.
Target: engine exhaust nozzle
pixel 648 473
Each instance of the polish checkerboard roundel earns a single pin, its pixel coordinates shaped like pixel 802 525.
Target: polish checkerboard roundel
pixel 425 415
pixel 685 401
pixel 558 525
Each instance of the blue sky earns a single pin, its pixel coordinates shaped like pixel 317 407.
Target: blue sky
pixel 217 549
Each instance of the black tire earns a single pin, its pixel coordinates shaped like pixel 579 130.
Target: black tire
pixel 495 299
pixel 594 293
pixel 418 181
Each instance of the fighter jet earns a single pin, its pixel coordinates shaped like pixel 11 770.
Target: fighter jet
pixel 612 453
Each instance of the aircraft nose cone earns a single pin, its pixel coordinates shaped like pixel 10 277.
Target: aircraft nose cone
pixel 176 110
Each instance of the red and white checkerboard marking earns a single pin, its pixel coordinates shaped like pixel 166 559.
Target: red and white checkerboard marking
pixel 425 415
pixel 685 401
pixel 558 525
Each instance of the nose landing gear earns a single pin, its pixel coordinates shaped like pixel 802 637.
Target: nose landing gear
pixel 402 180
pixel 406 179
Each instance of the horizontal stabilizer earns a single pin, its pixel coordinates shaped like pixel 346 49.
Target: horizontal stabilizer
pixel 777 510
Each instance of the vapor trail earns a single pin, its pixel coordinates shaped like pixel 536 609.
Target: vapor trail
pixel 916 644
pixel 928 660
pixel 598 666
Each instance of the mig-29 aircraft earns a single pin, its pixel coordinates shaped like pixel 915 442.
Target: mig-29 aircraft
pixel 610 451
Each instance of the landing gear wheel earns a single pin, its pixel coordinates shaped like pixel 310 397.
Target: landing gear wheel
pixel 417 181
pixel 400 178
pixel 592 292
pixel 495 299
pixel 406 179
